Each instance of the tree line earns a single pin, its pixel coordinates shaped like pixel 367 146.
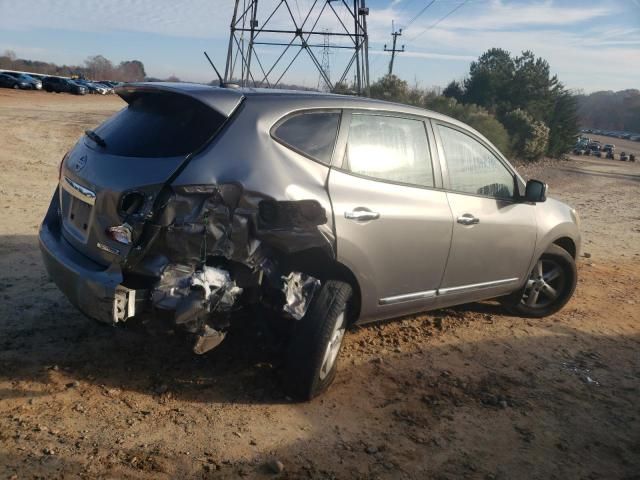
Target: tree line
pixel 514 101
pixel 607 110
pixel 96 67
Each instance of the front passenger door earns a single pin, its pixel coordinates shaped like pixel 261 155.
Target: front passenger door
pixel 493 234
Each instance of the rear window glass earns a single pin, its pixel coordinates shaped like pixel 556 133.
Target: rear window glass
pixel 310 133
pixel 159 124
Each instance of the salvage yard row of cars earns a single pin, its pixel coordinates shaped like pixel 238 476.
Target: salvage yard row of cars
pixel 77 86
pixel 589 147
pixel 614 133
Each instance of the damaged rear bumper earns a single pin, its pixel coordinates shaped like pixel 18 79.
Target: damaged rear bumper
pixel 197 261
pixel 89 286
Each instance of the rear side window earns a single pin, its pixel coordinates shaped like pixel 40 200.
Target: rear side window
pixel 159 124
pixel 311 133
pixel 389 148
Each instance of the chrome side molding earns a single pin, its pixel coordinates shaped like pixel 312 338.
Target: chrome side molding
pixel 476 286
pixel 407 297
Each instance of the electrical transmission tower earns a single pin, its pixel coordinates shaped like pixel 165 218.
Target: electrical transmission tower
pixel 325 62
pixel 251 66
pixel 395 34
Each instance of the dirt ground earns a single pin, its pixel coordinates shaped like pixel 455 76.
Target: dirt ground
pixel 460 393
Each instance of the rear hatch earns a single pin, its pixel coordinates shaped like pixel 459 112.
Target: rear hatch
pixel 135 153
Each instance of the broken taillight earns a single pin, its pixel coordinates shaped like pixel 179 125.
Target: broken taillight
pixel 121 233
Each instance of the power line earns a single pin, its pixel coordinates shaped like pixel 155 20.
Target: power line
pixel 436 23
pixel 419 13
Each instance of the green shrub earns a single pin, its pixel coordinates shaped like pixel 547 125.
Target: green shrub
pixel 529 137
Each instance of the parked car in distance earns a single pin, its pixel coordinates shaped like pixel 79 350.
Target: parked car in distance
pixel 8 81
pixel 93 87
pixel 34 83
pixel 111 83
pixel 608 147
pixel 61 85
pixel 324 210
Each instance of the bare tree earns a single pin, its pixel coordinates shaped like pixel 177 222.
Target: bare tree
pixel 98 67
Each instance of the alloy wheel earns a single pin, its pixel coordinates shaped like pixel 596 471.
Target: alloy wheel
pixel 545 285
pixel 333 347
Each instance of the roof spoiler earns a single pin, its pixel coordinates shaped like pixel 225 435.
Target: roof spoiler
pixel 222 100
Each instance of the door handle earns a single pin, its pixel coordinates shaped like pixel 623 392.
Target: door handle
pixel 468 219
pixel 361 215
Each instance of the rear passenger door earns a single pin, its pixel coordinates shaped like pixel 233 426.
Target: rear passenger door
pixel 393 225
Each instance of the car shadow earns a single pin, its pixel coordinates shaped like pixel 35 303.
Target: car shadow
pixel 42 333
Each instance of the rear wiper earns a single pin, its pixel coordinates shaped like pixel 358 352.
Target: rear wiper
pixel 96 138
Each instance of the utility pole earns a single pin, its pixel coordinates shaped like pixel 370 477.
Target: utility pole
pixel 394 50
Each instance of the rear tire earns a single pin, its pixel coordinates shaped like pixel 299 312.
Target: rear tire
pixel 550 285
pixel 311 358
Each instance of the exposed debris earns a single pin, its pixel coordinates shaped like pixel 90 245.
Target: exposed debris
pixel 299 289
pixel 196 297
pixel 208 245
pixel 121 234
pixel 207 340
pixel 220 291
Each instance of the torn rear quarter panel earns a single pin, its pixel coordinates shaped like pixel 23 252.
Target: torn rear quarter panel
pixel 231 213
pixel 246 155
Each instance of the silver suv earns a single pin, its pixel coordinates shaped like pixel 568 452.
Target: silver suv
pixel 193 202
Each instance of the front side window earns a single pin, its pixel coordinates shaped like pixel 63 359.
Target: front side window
pixel 389 148
pixel 472 167
pixel 310 133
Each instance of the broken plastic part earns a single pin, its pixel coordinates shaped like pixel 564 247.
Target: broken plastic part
pixel 299 289
pixel 174 285
pixel 194 189
pixel 207 340
pixel 121 233
pixel 220 291
pixel 124 304
pixel 191 311
pixel 291 214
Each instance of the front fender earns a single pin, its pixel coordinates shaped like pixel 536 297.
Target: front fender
pixel 555 221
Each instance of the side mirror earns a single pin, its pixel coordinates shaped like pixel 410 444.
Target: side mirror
pixel 536 191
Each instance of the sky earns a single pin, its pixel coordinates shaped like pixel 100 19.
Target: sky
pixel 591 45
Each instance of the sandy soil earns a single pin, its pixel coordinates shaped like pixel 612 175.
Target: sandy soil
pixel 466 392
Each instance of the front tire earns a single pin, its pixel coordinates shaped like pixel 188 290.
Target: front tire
pixel 550 285
pixel 311 358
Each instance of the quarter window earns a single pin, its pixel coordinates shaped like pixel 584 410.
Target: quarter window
pixel 310 133
pixel 389 148
pixel 472 167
